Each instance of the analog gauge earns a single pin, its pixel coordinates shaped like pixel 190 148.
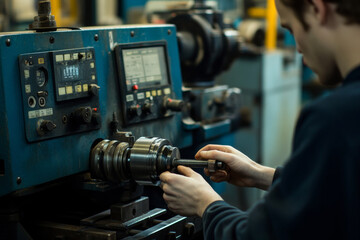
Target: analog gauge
pixel 41 77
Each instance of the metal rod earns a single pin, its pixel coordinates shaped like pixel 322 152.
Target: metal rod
pixel 191 163
pixel 211 165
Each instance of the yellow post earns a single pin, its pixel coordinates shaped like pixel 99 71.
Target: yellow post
pixel 56 11
pixel 74 15
pixel 65 20
pixel 271 26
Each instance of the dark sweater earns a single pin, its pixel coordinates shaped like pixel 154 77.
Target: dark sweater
pixel 316 195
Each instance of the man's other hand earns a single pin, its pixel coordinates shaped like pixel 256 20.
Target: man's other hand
pixel 187 194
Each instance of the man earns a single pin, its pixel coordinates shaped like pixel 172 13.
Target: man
pixel 316 195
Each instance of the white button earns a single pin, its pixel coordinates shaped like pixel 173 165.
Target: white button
pixel 78 88
pixel 129 98
pixel 49 111
pixel 69 90
pixel 27 88
pixel 62 91
pixel 59 58
pixel 32 114
pixel 67 57
pixel 140 96
pixel 26 73
pixel 167 91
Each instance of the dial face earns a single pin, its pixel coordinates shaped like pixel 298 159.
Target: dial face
pixel 41 77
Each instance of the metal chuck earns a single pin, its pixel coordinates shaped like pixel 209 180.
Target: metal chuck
pixel 117 161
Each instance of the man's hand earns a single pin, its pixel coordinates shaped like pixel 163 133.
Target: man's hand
pixel 187 194
pixel 241 170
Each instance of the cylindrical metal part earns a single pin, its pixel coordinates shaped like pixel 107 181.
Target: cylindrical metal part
pixel 190 163
pixel 143 158
pixel 44 8
pixel 212 165
pixel 143 162
pixel 44 21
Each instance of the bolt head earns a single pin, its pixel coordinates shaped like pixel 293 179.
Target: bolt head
pixel 18 180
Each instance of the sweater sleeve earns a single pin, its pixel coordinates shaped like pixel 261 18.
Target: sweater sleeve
pixel 300 197
pixel 277 173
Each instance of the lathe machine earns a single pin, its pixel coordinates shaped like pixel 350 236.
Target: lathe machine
pixel 89 116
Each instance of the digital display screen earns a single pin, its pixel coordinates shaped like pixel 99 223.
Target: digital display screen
pixel 70 73
pixel 145 67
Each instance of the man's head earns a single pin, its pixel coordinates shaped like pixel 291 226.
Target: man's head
pixel 315 25
pixel 350 9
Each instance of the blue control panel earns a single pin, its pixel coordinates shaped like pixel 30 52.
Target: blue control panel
pixel 60 91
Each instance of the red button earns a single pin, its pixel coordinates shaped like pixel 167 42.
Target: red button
pixel 135 87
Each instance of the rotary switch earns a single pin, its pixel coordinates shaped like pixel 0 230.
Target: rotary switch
pixel 94 90
pixel 45 126
pixel 135 110
pixel 149 108
pixel 173 104
pixel 83 115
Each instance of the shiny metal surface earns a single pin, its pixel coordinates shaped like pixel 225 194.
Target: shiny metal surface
pixel 143 162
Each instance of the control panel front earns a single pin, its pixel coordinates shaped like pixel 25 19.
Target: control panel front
pixel 145 84
pixel 60 93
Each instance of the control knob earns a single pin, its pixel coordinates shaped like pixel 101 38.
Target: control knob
pixel 45 126
pixel 173 104
pixel 135 110
pixel 149 108
pixel 94 90
pixel 83 115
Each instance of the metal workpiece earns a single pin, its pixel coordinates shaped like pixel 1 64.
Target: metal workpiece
pixel 107 160
pixel 143 162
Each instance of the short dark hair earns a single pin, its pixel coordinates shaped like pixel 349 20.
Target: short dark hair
pixel 350 9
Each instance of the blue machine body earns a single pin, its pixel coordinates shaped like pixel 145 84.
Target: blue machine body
pixel 30 162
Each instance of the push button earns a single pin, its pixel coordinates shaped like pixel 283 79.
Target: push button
pixel 135 87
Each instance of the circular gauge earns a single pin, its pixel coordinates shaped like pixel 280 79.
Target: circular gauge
pixel 41 77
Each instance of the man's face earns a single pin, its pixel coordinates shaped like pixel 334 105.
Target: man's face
pixel 311 43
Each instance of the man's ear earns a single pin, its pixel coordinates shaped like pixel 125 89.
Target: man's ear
pixel 320 10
